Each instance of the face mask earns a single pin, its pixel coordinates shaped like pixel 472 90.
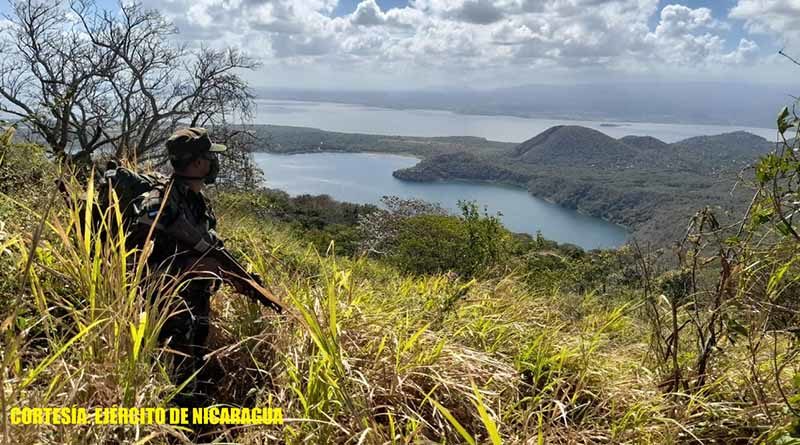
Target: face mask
pixel 213 170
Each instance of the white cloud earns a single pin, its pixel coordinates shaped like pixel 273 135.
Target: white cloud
pixel 745 52
pixel 679 19
pixel 480 12
pixel 368 13
pixel 684 36
pixel 512 39
pixel 779 18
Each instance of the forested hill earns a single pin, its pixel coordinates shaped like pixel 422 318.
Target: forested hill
pixel 288 140
pixel 579 146
pixel 648 185
pixel 564 145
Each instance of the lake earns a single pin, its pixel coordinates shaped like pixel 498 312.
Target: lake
pixel 362 119
pixel 364 178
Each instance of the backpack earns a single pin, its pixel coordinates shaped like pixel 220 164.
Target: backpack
pixel 130 188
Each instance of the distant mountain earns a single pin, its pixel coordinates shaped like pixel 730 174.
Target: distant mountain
pixel 644 143
pixel 641 182
pixel 576 147
pixel 722 150
pixel 664 102
pixel 573 145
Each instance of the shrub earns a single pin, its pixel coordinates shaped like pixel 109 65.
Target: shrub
pixel 429 244
pixel 469 245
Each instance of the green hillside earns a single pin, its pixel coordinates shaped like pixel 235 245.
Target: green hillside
pixel 642 183
pixel 288 140
pixel 448 329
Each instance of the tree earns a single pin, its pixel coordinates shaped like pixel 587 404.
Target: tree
pixel 380 228
pixel 86 78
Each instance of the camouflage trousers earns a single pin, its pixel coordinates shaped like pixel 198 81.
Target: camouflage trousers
pixel 185 334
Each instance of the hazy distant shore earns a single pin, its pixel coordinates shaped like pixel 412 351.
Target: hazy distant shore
pixel 685 103
pixel 601 119
pixel 402 121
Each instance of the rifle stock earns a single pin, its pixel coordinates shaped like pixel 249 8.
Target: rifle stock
pixel 232 271
pixel 243 281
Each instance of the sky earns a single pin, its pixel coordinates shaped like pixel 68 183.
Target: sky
pixel 479 44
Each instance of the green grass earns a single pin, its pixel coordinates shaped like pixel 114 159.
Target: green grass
pixel 368 354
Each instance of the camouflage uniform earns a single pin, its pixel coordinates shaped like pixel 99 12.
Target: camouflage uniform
pixel 185 228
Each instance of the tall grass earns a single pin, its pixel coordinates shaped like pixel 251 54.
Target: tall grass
pixel 372 356
pixel 83 330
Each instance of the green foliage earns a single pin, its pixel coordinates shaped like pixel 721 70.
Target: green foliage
pixel 24 172
pixel 346 237
pixel 487 239
pixel 468 245
pixel 23 166
pixel 549 265
pixel 428 244
pixel 676 284
pixel 319 219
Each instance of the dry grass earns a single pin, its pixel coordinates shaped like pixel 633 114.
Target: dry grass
pixel 371 356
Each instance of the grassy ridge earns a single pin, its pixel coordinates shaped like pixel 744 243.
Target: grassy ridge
pixel 370 354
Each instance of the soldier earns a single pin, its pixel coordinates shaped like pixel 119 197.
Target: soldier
pixel 184 236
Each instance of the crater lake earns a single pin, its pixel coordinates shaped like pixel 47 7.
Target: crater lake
pixel 364 178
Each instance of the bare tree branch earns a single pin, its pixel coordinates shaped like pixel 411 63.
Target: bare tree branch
pixel 113 80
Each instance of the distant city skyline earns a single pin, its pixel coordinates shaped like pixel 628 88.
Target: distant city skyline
pixel 416 44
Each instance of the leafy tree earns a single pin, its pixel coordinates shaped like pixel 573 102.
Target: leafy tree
pixel 487 240
pixel 380 229
pixel 469 245
pixel 428 244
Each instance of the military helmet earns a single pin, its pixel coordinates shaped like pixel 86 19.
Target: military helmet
pixel 192 142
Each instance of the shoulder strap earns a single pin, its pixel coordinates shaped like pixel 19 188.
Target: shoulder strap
pixel 130 187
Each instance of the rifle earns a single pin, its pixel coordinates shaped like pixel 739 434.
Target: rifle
pixel 243 281
pixel 230 270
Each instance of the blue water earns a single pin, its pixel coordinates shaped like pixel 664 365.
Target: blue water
pixel 365 178
pixel 370 120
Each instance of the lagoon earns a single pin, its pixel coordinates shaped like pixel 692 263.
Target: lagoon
pixel 365 177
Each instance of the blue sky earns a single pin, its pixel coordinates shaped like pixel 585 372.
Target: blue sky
pixel 398 44
pixel 348 6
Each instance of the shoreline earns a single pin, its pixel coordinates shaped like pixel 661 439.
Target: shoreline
pixel 512 185
pixel 628 230
pixel 609 121
pixel 399 154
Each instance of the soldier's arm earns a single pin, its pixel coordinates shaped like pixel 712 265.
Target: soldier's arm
pixel 218 263
pixel 169 219
pixel 211 256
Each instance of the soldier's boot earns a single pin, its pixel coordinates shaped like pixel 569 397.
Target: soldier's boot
pixel 195 393
pixel 185 333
